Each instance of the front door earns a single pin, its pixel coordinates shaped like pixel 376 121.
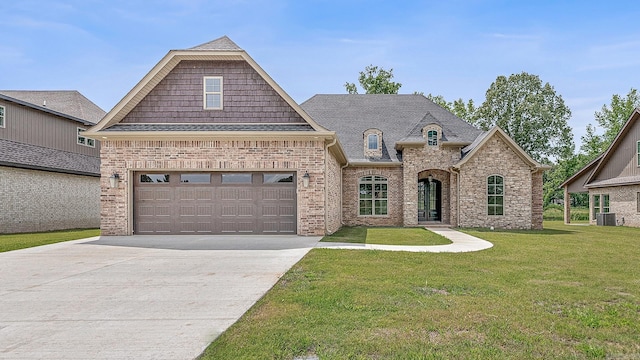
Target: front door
pixel 429 200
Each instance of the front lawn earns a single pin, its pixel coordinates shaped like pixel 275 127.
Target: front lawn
pixel 10 242
pixel 386 236
pixel 570 292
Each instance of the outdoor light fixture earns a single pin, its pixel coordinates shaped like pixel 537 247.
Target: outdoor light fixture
pixel 114 180
pixel 305 179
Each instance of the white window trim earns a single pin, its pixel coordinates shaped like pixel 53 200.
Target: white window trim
pixel 373 197
pixel 638 153
pixel 3 117
pixel 487 193
pixel 205 93
pixel 86 139
pixel 608 206
pixel 369 142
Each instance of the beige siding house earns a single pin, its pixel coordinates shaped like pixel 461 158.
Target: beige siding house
pixel 612 180
pixel 49 171
pixel 208 143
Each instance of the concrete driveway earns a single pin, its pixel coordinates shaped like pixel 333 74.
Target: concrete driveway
pixel 138 297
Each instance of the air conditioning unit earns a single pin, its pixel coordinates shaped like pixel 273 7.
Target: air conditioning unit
pixel 606 219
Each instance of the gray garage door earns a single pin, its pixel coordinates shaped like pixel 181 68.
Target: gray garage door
pixel 214 203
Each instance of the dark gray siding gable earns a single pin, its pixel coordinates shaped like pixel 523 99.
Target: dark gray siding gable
pixel 247 97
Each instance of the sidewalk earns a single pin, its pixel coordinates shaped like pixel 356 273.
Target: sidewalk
pixel 461 242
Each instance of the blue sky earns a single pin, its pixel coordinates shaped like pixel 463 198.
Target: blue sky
pixel 587 50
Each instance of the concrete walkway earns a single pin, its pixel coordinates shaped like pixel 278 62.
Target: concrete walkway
pixel 461 242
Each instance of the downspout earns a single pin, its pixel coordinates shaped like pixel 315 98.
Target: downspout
pixel 457 172
pixel 326 184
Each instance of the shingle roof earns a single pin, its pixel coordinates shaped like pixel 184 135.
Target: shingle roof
pixel 37 157
pixel 399 117
pixel 67 102
pixel 223 43
pixel 210 127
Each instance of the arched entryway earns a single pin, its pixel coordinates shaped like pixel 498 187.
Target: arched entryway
pixel 429 200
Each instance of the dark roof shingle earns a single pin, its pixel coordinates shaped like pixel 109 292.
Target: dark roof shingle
pixel 399 117
pixel 37 157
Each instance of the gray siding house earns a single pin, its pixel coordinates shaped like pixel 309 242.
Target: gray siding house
pixel 612 180
pixel 49 171
pixel 208 143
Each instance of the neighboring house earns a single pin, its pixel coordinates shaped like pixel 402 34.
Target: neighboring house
pixel 49 171
pixel 208 143
pixel 612 179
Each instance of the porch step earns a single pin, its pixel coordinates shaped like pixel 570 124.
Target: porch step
pixel 434 224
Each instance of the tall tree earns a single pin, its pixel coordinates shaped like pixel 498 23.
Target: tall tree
pixel 610 118
pixel 532 113
pixel 374 80
pixel 464 110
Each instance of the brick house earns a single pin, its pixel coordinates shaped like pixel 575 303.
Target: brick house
pixel 49 171
pixel 612 180
pixel 207 142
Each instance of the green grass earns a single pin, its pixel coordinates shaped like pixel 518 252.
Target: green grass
pixel 566 292
pixel 556 213
pixel 21 241
pixel 386 236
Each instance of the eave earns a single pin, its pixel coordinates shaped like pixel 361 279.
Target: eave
pixel 209 135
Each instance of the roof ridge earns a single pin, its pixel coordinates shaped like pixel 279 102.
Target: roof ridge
pixel 221 43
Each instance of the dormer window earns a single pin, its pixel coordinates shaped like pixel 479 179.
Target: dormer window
pixel 432 138
pixel 372 141
pixel 213 92
pixel 432 133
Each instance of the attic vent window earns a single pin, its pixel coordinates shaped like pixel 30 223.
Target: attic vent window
pixel 213 92
pixel 1 116
pixel 372 141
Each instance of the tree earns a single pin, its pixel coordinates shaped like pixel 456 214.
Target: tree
pixel 564 169
pixel 532 113
pixel 611 118
pixel 374 80
pixel 592 144
pixel 464 110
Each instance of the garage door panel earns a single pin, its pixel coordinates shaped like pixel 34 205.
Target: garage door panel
pixel 214 206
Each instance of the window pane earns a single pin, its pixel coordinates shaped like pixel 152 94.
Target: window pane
pixel 365 191
pixel 212 85
pixel 195 178
pixel 236 178
pixel 365 207
pixel 81 140
pixel 277 178
pixel 491 180
pixel 499 200
pixel 373 142
pixel 499 179
pixel 213 100
pixel 499 210
pixel 154 178
pixel 432 138
pixel 499 189
pixel 638 202
pixel 491 189
pixel 381 207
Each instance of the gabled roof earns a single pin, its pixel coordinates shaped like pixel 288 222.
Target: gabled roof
pixel 586 169
pixel 220 49
pixel 399 117
pixel 21 155
pixel 66 103
pixel 610 153
pixel 469 151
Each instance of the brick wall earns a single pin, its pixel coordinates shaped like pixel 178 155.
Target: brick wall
pixel 247 97
pixel 350 199
pixel 623 201
pixel 32 200
pixel 334 194
pixel 496 158
pixel 536 200
pixel 124 157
